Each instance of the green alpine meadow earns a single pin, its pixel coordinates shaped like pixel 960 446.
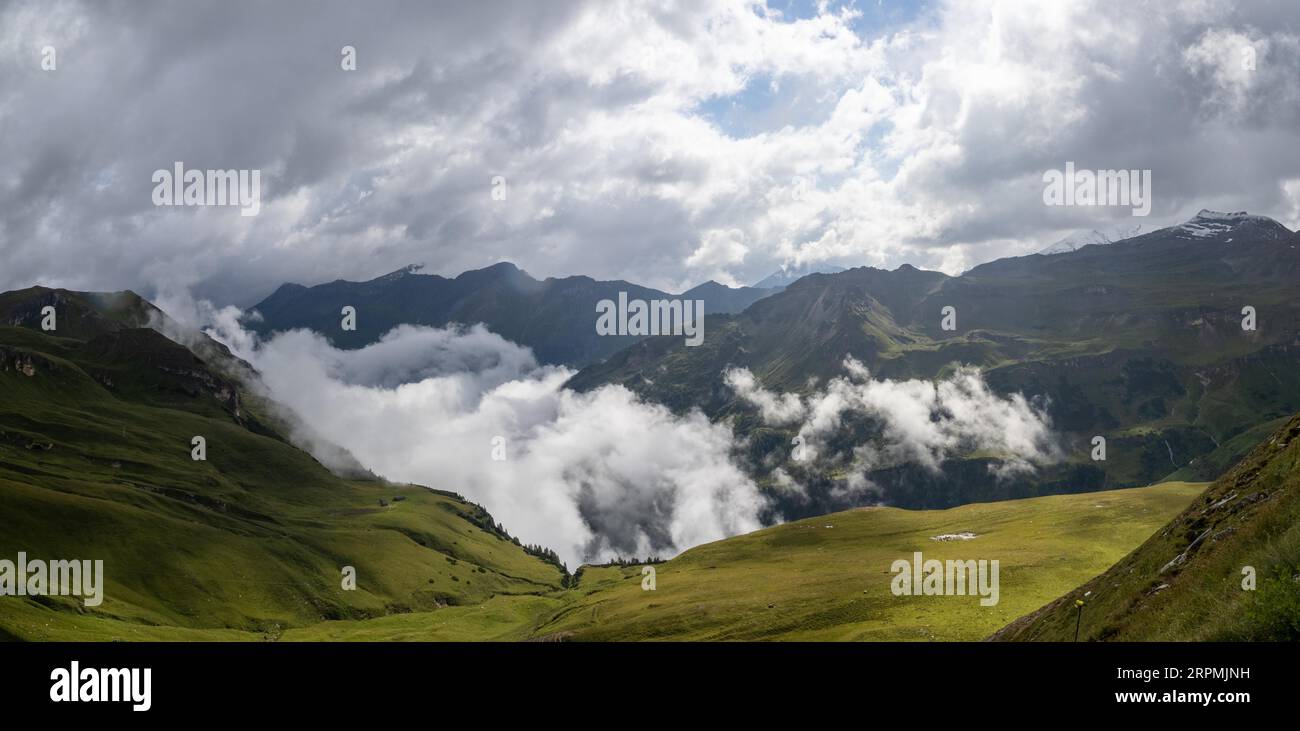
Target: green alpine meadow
pixel 213 513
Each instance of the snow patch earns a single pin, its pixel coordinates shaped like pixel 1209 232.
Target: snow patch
pixel 1095 237
pixel 1209 223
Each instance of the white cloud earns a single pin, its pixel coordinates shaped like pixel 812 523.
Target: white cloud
pixel 783 408
pixel 640 141
pixel 1230 59
pixel 922 422
pixel 592 476
pixel 718 249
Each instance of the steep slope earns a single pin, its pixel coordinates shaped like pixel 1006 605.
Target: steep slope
pixel 554 317
pixel 1140 341
pixel 805 331
pixel 95 463
pixel 1187 582
pixel 96 429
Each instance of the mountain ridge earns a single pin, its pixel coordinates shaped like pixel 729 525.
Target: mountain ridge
pixel 785 276
pixel 555 317
pixel 1140 341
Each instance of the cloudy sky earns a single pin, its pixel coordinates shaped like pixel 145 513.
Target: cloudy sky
pixel 660 142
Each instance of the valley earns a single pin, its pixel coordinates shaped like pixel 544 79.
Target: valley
pixel 253 539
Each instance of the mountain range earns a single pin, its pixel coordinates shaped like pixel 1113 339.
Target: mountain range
pixel 1092 237
pixel 1140 341
pixel 250 544
pixel 554 317
pixel 255 541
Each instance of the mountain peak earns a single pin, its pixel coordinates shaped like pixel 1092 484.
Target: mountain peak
pixel 789 274
pixel 711 284
pixel 404 271
pixel 1094 237
pixel 501 268
pixel 1208 224
pixel 1206 213
pixel 503 272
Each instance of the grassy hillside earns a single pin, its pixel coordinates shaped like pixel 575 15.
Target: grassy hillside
pixel 828 578
pixel 248 545
pixel 96 423
pixel 1186 581
pixel 95 463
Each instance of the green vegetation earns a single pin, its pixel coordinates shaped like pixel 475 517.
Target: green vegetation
pixel 1140 341
pixel 1186 581
pixel 828 578
pixel 821 579
pixel 95 463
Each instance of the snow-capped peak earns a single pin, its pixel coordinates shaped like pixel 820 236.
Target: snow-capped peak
pixel 1209 223
pixel 1080 239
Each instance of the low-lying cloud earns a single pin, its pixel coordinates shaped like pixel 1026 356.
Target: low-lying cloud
pixel 600 475
pixel 921 422
pixel 593 476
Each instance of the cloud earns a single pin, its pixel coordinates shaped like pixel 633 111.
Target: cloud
pixel 775 408
pixel 921 422
pixel 1245 69
pixel 659 144
pixel 593 476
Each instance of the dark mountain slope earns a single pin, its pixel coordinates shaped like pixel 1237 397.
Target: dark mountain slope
pixel 554 317
pixel 1140 341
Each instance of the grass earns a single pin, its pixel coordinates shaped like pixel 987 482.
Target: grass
pixel 499 619
pixel 95 463
pixel 251 541
pixel 1185 583
pixel 828 578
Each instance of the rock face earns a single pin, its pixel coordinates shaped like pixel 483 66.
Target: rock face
pixel 21 361
pixel 144 357
pixel 110 337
